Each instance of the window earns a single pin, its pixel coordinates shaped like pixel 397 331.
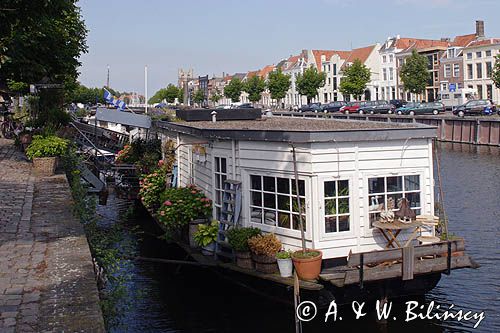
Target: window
pixel 489 91
pixel 479 70
pixel 391 57
pixel 469 55
pixel 456 70
pixel 334 83
pixel 385 192
pixel 391 73
pixel 329 81
pixel 457 95
pixel 385 73
pixel 488 53
pixel 451 53
pixel 384 59
pixel 220 178
pixel 334 69
pixel 489 69
pixel 445 96
pixel 444 86
pixel 336 203
pixel 469 71
pixel 273 201
pixel 478 54
pixel 479 91
pixel 447 70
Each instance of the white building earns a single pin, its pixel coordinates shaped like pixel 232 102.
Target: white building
pixel 294 66
pixel 479 61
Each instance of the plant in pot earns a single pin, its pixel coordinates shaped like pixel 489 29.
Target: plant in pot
pixel 151 188
pixel 238 240
pixel 264 249
pixel 44 152
pixel 206 236
pixel 307 263
pixel 285 264
pixel 180 207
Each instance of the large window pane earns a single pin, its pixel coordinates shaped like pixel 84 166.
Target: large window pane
pixel 414 199
pixel 270 217
pixel 257 199
pixel 336 206
pixel 284 220
pixel 376 185
pixel 302 190
pixel 412 183
pixel 284 202
pixel 331 224
pixel 269 200
pixel 223 163
pixel 256 215
pixel 284 185
pixel 256 182
pixel 330 190
pixel 343 206
pixel 330 207
pixel 394 184
pixel 269 184
pixel 343 223
pixel 343 188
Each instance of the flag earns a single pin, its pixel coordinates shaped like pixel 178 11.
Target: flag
pixel 119 104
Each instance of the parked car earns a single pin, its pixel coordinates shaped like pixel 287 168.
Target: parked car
pixel 476 107
pixel 372 107
pixel 351 107
pixel 310 107
pixel 333 106
pixel 223 106
pixel 293 108
pixel 425 108
pixel 398 102
pixel 244 106
pixel 406 109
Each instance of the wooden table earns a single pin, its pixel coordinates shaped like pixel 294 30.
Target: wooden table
pixel 391 230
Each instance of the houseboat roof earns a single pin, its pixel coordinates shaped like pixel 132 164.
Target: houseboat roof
pixel 300 130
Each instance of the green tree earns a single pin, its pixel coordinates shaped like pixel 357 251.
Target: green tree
pixel 254 87
pixel 41 41
pixel 199 97
pixel 216 96
pixel 309 82
pixel 233 89
pixel 355 79
pixel 414 73
pixel 180 95
pixel 495 74
pixel 278 84
pixel 171 93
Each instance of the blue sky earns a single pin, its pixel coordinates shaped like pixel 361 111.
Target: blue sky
pixel 229 36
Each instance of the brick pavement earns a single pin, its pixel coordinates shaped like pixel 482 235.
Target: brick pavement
pixel 47 281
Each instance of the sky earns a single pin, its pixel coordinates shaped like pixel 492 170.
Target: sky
pixel 217 36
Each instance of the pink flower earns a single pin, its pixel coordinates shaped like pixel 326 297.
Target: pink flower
pixel 207 205
pixel 162 213
pixel 160 163
pixel 194 192
pixel 167 203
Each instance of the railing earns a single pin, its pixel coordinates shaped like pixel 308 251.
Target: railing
pixel 474 130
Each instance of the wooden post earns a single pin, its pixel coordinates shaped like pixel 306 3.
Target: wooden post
pixel 408 262
pixel 296 300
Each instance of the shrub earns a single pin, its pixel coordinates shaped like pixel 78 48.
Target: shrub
pixel 49 146
pixel 266 245
pixel 206 233
pixel 284 255
pixel 180 206
pixel 151 188
pixel 238 238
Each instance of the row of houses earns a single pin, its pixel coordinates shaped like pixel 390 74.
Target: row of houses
pixel 456 65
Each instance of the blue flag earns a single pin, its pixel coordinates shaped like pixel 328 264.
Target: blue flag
pixel 119 104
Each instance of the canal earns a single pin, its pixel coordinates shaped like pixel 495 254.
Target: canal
pixel 166 298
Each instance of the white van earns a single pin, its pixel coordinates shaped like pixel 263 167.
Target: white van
pixel 456 98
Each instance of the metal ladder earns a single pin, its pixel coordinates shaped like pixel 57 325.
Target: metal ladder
pixel 229 216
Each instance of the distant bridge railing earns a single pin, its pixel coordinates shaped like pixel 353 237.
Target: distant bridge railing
pixel 475 130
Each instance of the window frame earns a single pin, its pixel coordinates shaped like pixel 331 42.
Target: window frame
pixel 323 235
pixel 217 174
pixel 246 173
pixel 366 195
pixel 456 70
pixel 447 70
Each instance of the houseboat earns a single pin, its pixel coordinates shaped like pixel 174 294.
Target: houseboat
pixel 349 172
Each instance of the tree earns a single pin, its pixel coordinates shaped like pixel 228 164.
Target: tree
pixel 41 41
pixel 355 78
pixel 159 96
pixel 309 82
pixel 254 88
pixel 233 89
pixel 216 96
pixel 495 74
pixel 199 97
pixel 414 73
pixel 278 84
pixel 171 93
pixel 180 95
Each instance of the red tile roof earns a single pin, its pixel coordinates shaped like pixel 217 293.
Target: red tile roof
pixel 463 40
pixel 361 53
pixel 252 73
pixel 328 54
pixel 481 42
pixel 410 43
pixel 266 70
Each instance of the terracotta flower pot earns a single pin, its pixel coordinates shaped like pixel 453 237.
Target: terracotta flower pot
pixel 308 268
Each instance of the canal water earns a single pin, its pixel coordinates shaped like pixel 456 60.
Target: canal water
pixel 166 298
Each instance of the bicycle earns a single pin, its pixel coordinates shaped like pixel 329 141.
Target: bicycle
pixel 9 127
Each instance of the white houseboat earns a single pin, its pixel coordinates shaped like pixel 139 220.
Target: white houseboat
pixel 349 172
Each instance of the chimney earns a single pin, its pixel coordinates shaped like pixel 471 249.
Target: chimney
pixel 479 28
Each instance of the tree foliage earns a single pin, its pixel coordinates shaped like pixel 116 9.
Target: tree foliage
pixel 254 86
pixel 170 93
pixel 199 96
pixel 85 95
pixel 414 73
pixel 41 41
pixel 278 84
pixel 233 89
pixel 495 75
pixel 309 82
pixel 355 79
pixel 216 96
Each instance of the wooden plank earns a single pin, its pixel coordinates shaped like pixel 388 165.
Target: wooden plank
pixel 332 276
pixel 272 277
pixel 424 266
pixel 408 262
pixel 375 257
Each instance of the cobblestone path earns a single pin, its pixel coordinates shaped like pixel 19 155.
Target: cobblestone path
pixel 46 275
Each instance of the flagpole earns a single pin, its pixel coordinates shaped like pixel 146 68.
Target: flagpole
pixel 146 88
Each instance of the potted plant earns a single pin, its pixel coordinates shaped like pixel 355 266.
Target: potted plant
pixel 307 263
pixel 285 264
pixel 238 240
pixel 44 152
pixel 264 249
pixel 206 235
